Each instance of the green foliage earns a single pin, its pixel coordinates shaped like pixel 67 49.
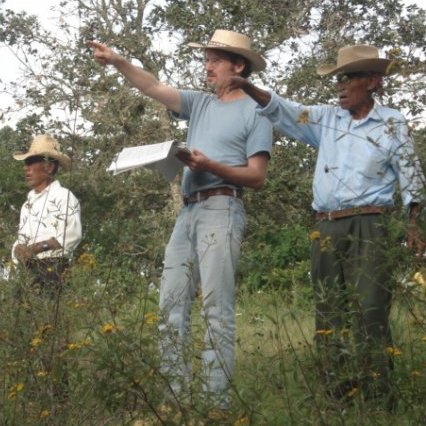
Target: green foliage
pixel 91 354
pixel 276 260
pixel 286 387
pixel 12 190
pixel 103 336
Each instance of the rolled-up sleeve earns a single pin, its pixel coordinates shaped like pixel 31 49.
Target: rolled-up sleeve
pixel 69 229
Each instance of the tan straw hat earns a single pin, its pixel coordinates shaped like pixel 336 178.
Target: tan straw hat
pixel 356 58
pixel 45 146
pixel 231 41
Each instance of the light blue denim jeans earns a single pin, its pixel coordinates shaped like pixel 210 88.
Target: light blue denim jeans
pixel 204 250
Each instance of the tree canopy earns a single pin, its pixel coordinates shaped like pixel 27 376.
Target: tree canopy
pixel 95 112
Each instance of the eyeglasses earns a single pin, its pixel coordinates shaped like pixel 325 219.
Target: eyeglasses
pixel 349 76
pixel 34 159
pixel 38 159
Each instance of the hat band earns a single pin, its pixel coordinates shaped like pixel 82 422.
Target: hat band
pixel 217 44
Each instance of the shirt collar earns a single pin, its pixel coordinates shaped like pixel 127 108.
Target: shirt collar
pixel 372 115
pixel 32 195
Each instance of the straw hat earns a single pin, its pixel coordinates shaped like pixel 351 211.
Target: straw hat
pixel 356 58
pixel 46 146
pixel 230 41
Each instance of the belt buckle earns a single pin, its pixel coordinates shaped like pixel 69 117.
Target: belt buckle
pixel 329 216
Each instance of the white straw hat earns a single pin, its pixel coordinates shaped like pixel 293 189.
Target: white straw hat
pixel 231 41
pixel 46 146
pixel 356 58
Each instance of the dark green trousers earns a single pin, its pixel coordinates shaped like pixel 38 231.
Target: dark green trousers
pixel 351 274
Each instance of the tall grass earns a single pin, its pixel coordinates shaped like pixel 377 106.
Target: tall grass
pixel 90 357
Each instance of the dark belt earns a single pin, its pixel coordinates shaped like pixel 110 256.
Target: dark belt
pixel 354 211
pixel 196 197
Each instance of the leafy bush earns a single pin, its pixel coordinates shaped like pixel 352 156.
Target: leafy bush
pixel 276 260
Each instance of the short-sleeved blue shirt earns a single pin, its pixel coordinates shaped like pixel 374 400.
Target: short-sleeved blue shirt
pixel 226 132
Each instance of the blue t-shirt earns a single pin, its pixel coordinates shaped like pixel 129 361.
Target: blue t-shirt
pixel 226 132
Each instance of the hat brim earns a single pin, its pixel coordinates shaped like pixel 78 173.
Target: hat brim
pixel 257 62
pixel 63 160
pixel 373 65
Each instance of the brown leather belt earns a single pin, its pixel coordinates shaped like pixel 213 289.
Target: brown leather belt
pixel 354 211
pixel 206 193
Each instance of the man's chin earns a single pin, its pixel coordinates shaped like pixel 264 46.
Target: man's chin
pixel 211 84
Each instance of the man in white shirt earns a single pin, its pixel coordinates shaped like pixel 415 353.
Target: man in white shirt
pixel 50 224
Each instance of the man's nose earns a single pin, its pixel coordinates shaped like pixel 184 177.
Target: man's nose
pixel 208 65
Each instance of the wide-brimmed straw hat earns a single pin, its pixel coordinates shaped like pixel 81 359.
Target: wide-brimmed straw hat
pixel 231 41
pixel 45 146
pixel 356 58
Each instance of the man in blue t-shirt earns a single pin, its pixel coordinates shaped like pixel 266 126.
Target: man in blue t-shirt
pixel 230 149
pixel 364 152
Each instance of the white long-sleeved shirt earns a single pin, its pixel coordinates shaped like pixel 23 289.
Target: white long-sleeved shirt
pixel 52 213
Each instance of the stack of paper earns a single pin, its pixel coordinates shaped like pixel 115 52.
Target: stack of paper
pixel 160 156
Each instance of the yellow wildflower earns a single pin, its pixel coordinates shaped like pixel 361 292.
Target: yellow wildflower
pixel 324 332
pixel 87 261
pixel 303 117
pixel 86 343
pixel 416 373
pixel 424 338
pixel 352 392
pixel 326 244
pixel 393 351
pixel 46 327
pixel 44 414
pixel 375 375
pixel 108 328
pixel 41 373
pixel 150 318
pixel 314 235
pixel 73 346
pixel 14 390
pixel 242 421
pixel 36 342
pixel 419 278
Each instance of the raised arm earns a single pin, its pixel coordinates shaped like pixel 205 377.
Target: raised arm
pixel 139 78
pixel 262 97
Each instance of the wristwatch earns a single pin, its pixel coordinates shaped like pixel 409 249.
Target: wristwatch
pixel 45 246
